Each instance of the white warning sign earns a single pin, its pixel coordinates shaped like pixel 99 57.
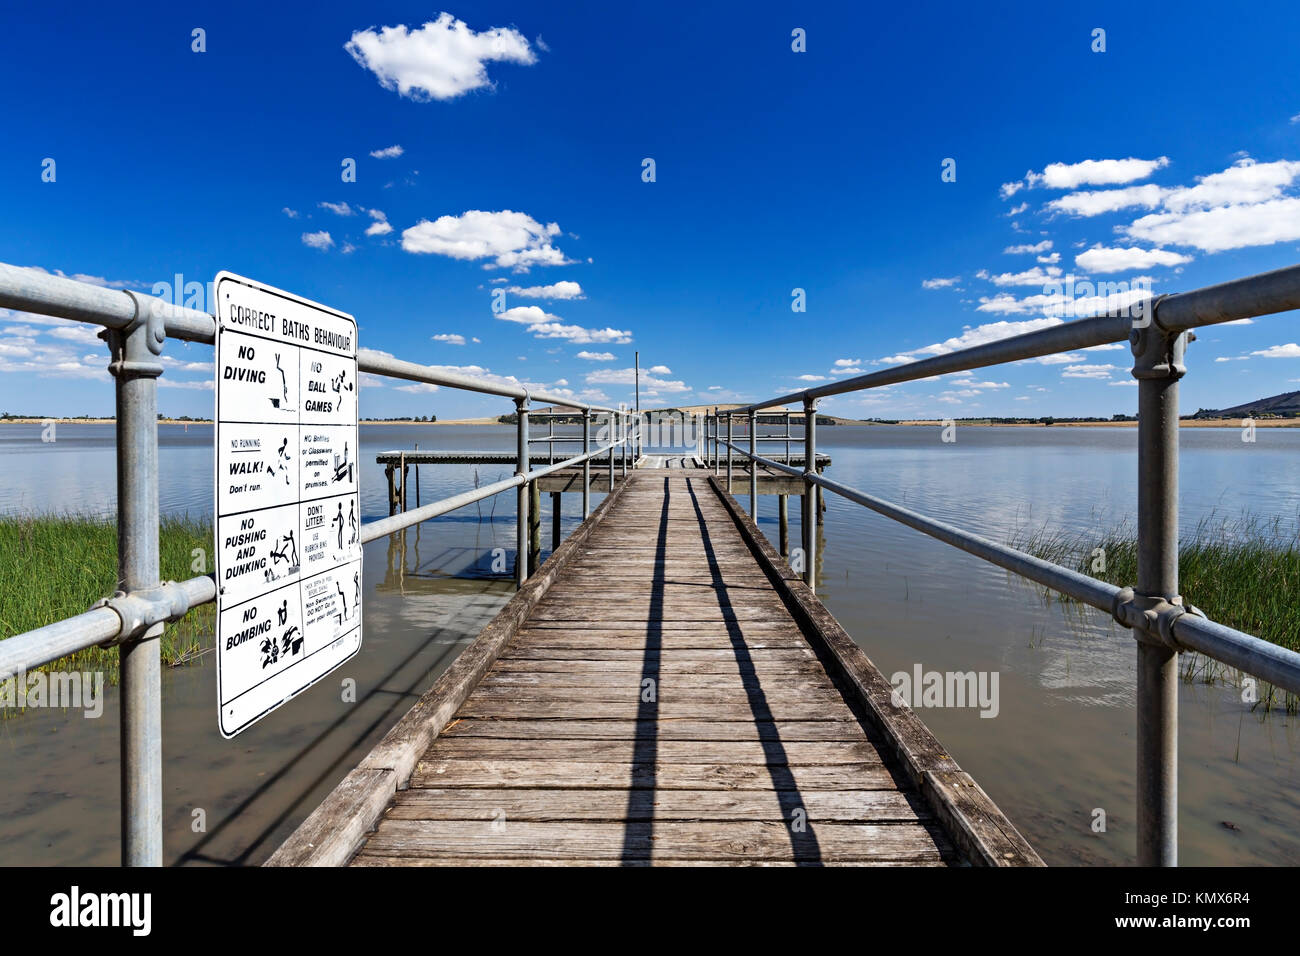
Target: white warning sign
pixel 288 512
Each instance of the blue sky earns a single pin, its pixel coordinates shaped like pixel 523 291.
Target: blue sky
pixel 1173 155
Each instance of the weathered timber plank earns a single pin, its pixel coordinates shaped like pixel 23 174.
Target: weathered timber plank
pixel 670 666
pixel 843 806
pixel 334 829
pixel 632 730
pixel 593 653
pixel 773 698
pixel 465 772
pixel 735 840
pixel 668 683
pixel 771 753
pixel 671 709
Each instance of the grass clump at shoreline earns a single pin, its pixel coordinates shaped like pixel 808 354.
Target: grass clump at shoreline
pixel 1243 573
pixel 56 566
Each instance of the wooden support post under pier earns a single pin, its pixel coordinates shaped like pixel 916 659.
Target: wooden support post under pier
pixel 534 526
pixel 784 510
pixel 555 521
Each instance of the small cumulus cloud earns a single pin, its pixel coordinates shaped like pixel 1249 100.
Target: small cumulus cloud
pixel 441 60
pixel 318 240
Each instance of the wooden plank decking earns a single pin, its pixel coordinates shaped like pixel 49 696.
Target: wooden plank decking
pixel 658 700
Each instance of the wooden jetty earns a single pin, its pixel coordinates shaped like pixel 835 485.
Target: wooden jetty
pixel 663 691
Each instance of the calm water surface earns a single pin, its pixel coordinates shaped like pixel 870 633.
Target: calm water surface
pixel 1061 746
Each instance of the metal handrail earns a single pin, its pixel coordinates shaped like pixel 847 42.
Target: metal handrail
pixel 1154 609
pixel 1248 298
pixel 134 617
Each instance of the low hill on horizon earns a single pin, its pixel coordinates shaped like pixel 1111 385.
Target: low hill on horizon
pixel 1286 405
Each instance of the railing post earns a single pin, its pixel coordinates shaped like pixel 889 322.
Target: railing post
pixel 809 517
pixel 586 464
pixel 753 465
pixel 135 367
pixel 521 468
pixel 1158 366
pixel 622 447
pixel 712 433
pixel 611 452
pixel 729 433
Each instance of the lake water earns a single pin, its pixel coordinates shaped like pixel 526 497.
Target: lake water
pixel 1060 748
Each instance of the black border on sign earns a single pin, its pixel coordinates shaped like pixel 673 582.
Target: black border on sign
pixel 221 277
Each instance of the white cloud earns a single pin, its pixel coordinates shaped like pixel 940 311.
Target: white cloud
pixel 1102 259
pixel 1290 350
pixel 1243 205
pixel 317 240
pixel 1037 247
pixel 543 325
pixel 417 387
pixel 1035 276
pixel 291 213
pixel 1099 201
pixel 980 335
pixel 940 283
pixel 812 378
pixel 627 376
pixel 528 315
pixel 380 226
pixel 388 152
pixel 1227 227
pixel 1089 172
pixel 338 208
pixel 441 60
pixel 564 289
pixel 449 338
pixel 1086 299
pixel 580 336
pixel 1099 172
pixel 1246 181
pixel 596 356
pixel 1089 371
pixel 510 239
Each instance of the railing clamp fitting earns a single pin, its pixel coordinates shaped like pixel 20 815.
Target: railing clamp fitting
pixel 143 613
pixel 128 359
pixel 1151 618
pixel 1157 352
